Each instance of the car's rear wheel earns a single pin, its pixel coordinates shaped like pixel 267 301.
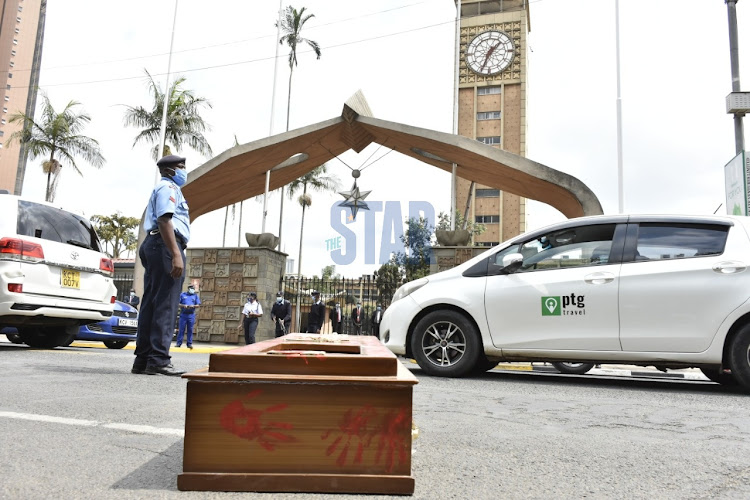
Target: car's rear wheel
pixel 718 376
pixel 14 337
pixel 446 344
pixel 48 337
pixel 115 344
pixel 573 368
pixel 739 357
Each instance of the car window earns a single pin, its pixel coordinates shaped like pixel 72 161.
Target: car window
pixel 50 223
pixel 572 247
pixel 497 259
pixel 679 241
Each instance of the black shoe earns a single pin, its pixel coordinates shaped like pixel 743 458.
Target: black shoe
pixel 190 346
pixel 163 370
pixel 178 345
pixel 138 371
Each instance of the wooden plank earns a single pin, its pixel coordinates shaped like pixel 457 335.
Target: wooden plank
pixel 296 483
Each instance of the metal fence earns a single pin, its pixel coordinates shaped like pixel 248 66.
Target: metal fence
pixel 367 290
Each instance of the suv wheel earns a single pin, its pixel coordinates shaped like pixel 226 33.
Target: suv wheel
pixel 48 337
pixel 573 368
pixel 115 344
pixel 739 357
pixel 446 344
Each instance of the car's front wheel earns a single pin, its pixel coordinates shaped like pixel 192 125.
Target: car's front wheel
pixel 115 344
pixel 48 337
pixel 739 357
pixel 573 368
pixel 446 344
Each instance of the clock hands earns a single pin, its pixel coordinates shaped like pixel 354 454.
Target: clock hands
pixel 489 53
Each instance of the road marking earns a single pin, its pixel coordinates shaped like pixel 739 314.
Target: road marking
pixel 139 429
pixel 131 346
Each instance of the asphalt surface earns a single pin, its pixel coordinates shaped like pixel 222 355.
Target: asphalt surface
pixel 74 423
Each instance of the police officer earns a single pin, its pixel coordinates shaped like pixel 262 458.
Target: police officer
pixel 317 314
pixel 189 302
pixel 162 254
pixel 281 314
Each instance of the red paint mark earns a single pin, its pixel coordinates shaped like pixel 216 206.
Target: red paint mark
pixel 247 423
pixel 393 438
pixel 353 426
pixel 305 356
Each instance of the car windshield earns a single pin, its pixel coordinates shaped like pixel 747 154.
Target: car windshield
pixel 50 223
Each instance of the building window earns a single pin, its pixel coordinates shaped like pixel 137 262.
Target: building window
pixel 20 9
pixel 18 19
pixel 12 52
pixel 494 140
pixel 5 110
pixel 17 30
pixel 487 219
pixel 2 122
pixel 12 64
pixel 487 193
pixel 488 115
pixel 488 90
pixel 10 75
pixel 2 133
pixel 15 42
pixel 7 98
pixel 7 86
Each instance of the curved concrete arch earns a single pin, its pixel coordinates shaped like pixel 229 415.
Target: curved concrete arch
pixel 239 173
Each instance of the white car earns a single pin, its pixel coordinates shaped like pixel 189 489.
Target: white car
pixel 53 276
pixel 669 291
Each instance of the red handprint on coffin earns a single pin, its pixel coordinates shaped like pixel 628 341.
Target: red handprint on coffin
pixel 253 424
pixel 392 435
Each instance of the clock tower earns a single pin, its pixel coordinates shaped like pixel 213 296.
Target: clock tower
pixel 492 106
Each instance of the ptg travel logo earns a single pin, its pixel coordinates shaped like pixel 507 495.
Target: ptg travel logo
pixel 566 305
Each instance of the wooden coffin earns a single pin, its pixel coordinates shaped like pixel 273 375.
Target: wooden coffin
pixel 299 414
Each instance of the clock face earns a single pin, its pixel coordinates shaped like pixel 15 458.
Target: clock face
pixel 490 52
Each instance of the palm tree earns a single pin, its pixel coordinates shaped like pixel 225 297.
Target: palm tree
pixel 57 135
pixel 184 123
pixel 316 180
pixel 291 25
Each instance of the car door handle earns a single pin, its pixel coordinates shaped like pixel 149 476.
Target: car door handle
pixel 729 267
pixel 598 278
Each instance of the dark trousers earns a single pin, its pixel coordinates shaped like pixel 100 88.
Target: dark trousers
pixel 287 326
pixel 250 324
pixel 161 294
pixel 187 321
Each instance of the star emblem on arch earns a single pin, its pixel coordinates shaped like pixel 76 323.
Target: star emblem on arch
pixel 354 200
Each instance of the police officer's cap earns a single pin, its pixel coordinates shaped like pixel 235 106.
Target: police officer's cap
pixel 253 294
pixel 170 160
pixel 279 294
pixel 315 293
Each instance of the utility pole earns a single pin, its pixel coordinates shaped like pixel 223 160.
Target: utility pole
pixel 737 101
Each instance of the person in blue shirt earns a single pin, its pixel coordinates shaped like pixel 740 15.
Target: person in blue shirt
pixel 189 302
pixel 162 253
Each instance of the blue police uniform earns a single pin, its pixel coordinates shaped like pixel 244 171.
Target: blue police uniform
pixel 187 317
pixel 161 292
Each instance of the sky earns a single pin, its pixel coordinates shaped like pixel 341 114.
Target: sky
pixel 675 75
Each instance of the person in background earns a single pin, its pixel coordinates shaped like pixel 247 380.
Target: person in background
pixel 252 311
pixel 317 314
pixel 281 315
pixel 337 318
pixel 357 314
pixel 132 299
pixel 189 302
pixel 162 253
pixel 377 316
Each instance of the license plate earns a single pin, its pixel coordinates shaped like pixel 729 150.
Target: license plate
pixel 71 279
pixel 128 322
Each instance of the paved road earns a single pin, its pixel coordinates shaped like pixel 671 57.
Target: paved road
pixel 74 423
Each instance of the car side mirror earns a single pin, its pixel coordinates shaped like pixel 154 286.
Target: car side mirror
pixel 511 263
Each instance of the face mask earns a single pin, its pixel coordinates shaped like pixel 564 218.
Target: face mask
pixel 249 299
pixel 191 291
pixel 378 309
pixel 279 299
pixel 180 176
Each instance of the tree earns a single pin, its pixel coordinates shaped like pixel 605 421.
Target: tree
pixel 316 180
pixel 291 25
pixel 57 135
pixel 117 232
pixel 387 280
pixel 414 262
pixel 185 126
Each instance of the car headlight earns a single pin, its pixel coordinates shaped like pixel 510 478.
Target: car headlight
pixel 409 288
